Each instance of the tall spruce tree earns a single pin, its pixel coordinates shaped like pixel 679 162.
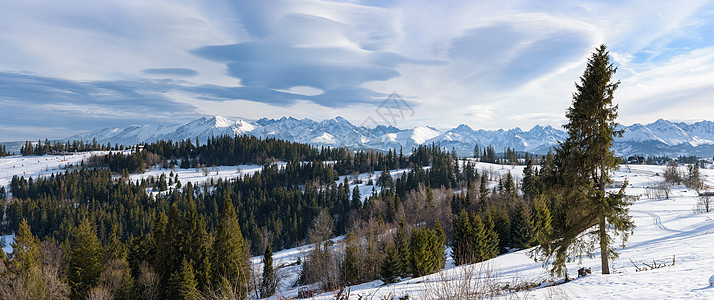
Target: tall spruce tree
pixel 85 259
pixel 401 241
pixel 462 244
pixel 198 247
pixel 26 252
pixel 541 220
pixel 182 284
pixel 584 163
pixel 391 265
pixel 521 226
pixel 485 238
pixel 230 254
pixel 350 269
pixel 267 287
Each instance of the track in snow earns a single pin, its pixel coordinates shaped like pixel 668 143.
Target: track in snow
pixel 657 221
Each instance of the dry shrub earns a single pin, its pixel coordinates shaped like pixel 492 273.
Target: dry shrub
pixel 35 283
pixel 99 293
pixel 475 281
pixel 147 282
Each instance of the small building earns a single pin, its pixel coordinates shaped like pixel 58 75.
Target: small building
pixel 636 160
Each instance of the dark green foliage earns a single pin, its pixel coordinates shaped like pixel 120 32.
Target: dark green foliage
pixel 3 151
pixel 522 234
pixel 85 260
pixel 230 254
pixel 26 252
pixel 528 183
pixel 267 287
pixel 46 147
pixel 483 193
pixel 182 284
pixel 401 242
pixel 489 155
pixel 351 266
pixel 391 266
pixel 141 250
pixel 461 244
pixel 499 217
pixel 473 240
pixel 356 198
pixel 582 168
pixel 427 251
pixel 541 221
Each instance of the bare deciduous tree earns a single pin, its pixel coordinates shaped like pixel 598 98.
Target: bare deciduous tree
pixel 663 189
pixel 704 203
pixel 148 282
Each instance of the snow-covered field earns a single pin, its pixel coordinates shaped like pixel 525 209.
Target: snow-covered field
pixel 34 166
pixel 198 176
pixel 665 229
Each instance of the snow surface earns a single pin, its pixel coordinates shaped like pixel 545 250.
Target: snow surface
pixel 6 240
pixel 198 176
pixel 665 229
pixel 34 166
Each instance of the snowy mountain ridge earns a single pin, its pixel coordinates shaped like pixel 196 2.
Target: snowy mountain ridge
pixel 659 138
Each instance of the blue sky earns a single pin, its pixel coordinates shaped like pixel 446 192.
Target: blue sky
pixel 69 66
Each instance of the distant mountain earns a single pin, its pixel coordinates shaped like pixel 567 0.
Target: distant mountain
pixel 659 138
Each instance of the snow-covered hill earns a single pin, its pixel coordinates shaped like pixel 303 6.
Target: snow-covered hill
pixel 667 230
pixel 659 138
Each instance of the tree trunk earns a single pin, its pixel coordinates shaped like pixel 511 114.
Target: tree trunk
pixel 604 242
pixel 603 246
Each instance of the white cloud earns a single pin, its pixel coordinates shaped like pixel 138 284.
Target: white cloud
pixel 488 64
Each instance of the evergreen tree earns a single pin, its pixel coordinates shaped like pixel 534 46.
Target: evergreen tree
pixel 402 243
pixel 483 193
pixel 26 252
pixel 182 284
pixel 268 285
pixel 422 261
pixel 509 185
pixel 584 163
pixel 490 246
pixel 391 265
pixel 356 198
pixel 230 254
pixel 521 226
pixel 527 183
pixel 541 220
pixel 197 245
pixel 351 264
pixel 427 251
pixel 501 222
pixel 85 259
pixel 438 244
pixel 462 247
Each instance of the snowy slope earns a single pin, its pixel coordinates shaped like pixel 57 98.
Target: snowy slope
pixel 665 229
pixel 659 138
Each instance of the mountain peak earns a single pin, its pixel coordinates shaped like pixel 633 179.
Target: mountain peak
pixel 463 127
pixel 219 121
pixel 649 139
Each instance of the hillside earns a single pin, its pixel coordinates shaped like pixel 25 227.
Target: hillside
pixel 665 229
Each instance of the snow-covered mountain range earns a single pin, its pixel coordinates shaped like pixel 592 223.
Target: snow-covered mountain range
pixel 659 138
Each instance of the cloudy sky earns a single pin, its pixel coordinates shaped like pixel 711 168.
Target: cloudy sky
pixel 68 66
